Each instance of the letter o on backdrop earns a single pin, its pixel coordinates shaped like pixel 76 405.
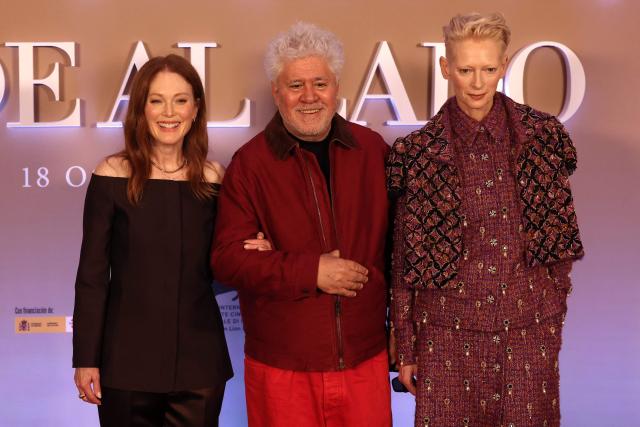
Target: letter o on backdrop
pixel 2 84
pixel 574 83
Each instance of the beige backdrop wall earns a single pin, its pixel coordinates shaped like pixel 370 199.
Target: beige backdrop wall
pixel 41 227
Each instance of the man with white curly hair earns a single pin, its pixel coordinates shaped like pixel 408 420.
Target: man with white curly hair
pixel 313 307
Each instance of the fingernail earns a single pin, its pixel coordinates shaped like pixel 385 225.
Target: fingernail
pixel 99 395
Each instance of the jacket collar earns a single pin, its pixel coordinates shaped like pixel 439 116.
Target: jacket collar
pixel 520 122
pixel 495 122
pixel 281 142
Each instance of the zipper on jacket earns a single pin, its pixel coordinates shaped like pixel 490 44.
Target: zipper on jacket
pixel 338 306
pixel 315 198
pixel 338 303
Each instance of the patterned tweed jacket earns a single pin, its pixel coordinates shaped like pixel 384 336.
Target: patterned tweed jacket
pixel 421 171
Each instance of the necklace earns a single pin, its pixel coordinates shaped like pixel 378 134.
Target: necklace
pixel 169 172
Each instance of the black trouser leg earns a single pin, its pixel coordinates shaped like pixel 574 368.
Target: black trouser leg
pixel 194 408
pixel 189 408
pixel 126 408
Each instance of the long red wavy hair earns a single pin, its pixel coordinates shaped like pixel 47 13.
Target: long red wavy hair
pixel 138 142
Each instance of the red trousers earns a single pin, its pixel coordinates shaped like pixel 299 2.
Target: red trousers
pixel 350 398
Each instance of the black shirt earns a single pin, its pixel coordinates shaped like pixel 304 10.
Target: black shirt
pixel 321 150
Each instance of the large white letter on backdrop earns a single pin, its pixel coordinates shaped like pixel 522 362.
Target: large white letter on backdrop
pixel 27 83
pixel 2 84
pixel 341 109
pixel 439 85
pixel 138 59
pixel 197 57
pixel 397 94
pixel 575 82
pixel 198 60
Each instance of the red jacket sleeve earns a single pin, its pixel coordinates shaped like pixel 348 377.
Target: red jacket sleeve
pixel 275 274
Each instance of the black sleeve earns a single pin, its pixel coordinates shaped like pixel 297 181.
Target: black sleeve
pixel 92 280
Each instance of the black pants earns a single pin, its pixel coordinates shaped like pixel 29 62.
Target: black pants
pixel 190 408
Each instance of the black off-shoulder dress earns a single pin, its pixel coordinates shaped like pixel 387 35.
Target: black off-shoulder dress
pixel 145 312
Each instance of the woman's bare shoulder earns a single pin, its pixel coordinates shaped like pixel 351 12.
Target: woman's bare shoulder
pixel 213 172
pixel 114 166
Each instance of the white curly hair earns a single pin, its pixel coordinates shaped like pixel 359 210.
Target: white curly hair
pixel 301 41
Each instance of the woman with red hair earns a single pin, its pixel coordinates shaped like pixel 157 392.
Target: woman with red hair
pixel 148 339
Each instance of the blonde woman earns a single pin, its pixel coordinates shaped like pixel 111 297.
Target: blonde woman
pixel 485 236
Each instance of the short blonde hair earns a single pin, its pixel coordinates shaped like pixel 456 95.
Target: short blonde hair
pixel 475 25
